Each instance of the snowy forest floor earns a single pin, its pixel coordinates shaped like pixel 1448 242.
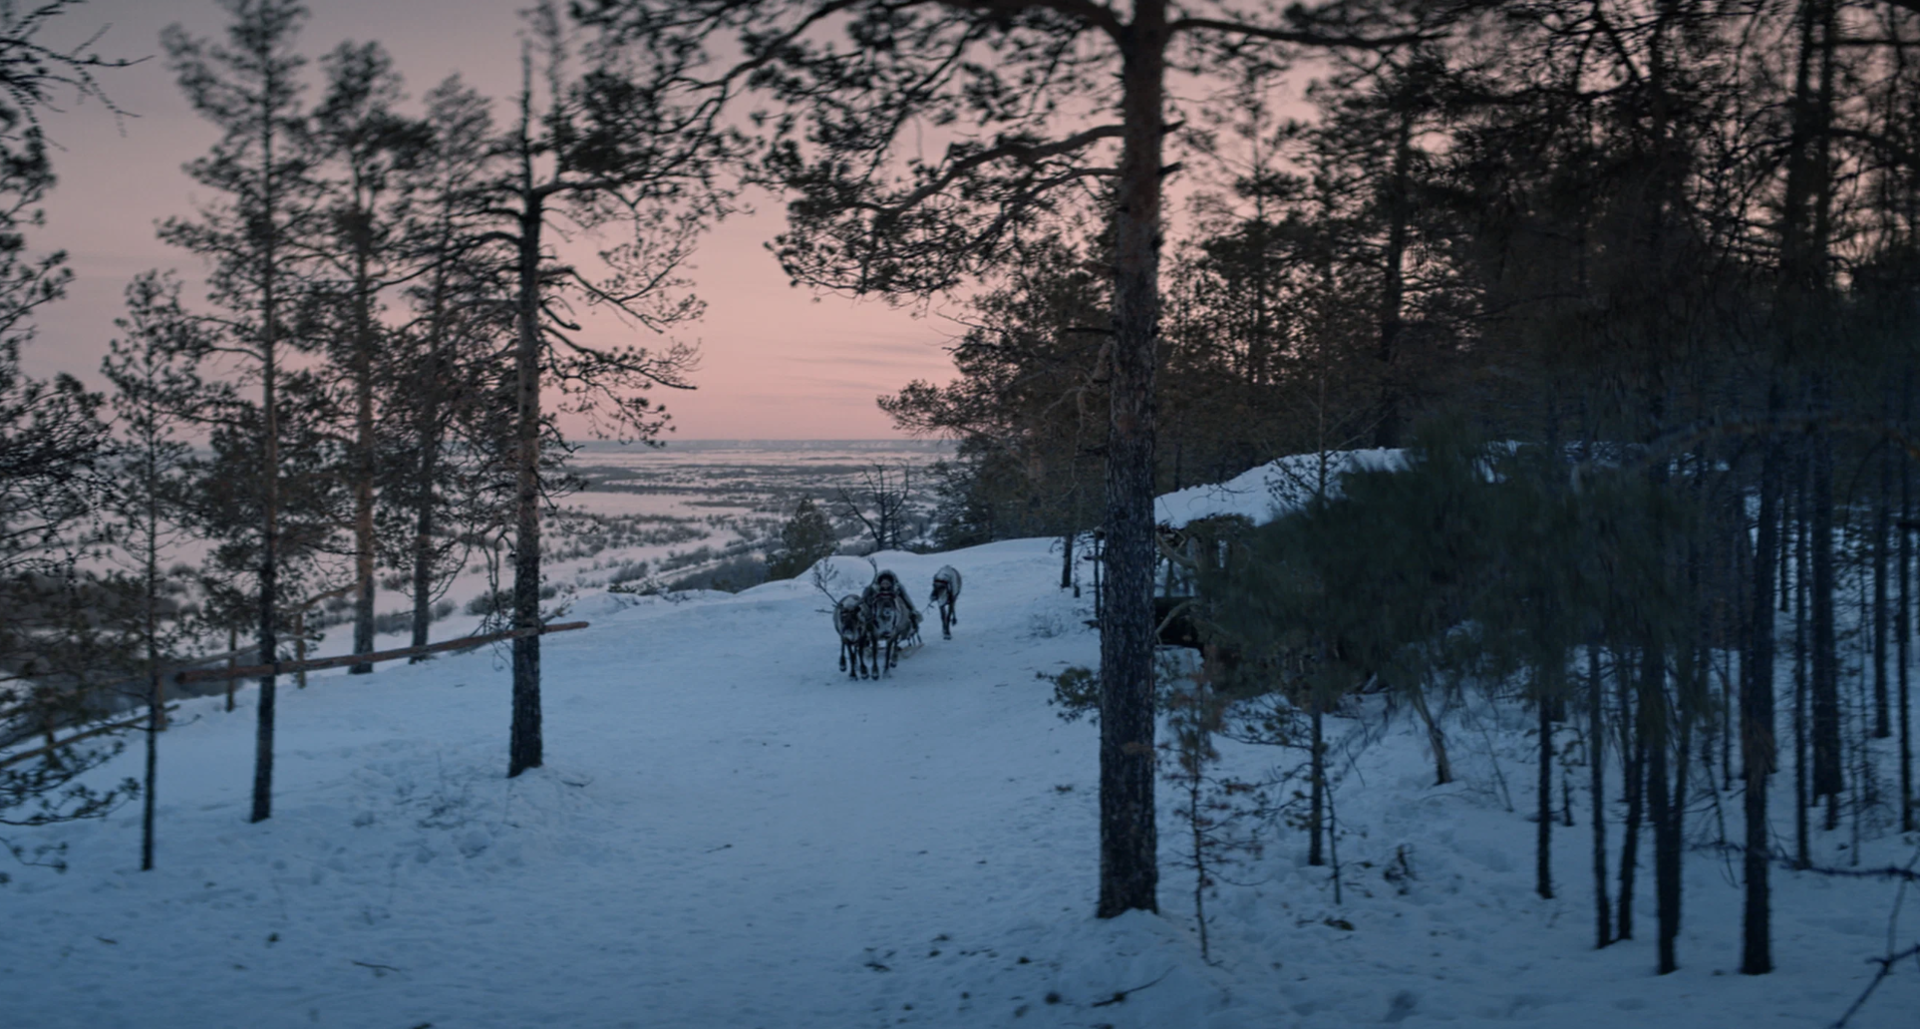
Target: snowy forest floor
pixel 729 832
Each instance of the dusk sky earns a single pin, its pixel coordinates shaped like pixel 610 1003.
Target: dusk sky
pixel 777 362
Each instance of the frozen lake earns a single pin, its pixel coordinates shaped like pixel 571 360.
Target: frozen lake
pixel 699 477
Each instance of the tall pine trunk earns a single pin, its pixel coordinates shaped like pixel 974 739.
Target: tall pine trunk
pixel 1317 789
pixel 427 440
pixel 1882 527
pixel 427 458
pixel 1597 779
pixel 363 447
pixel 1669 843
pixel 1804 281
pixel 1903 632
pixel 1543 833
pixel 270 492
pixel 1633 761
pixel 525 742
pixel 156 697
pixel 1828 779
pixel 1066 557
pixel 1653 730
pixel 1802 671
pixel 1756 719
pixel 1129 875
pixel 1665 786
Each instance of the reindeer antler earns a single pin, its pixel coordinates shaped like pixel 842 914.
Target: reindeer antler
pixel 820 577
pixel 1160 535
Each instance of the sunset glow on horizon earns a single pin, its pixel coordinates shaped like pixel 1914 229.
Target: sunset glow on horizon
pixel 776 362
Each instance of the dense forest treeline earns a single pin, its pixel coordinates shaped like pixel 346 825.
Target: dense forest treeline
pixel 1665 255
pixel 1632 282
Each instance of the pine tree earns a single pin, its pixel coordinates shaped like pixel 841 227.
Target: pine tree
pixel 52 463
pixel 610 148
pixel 150 458
pixel 361 150
pixel 444 372
pixel 250 87
pixel 806 538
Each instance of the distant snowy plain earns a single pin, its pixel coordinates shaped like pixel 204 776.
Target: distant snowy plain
pixel 730 832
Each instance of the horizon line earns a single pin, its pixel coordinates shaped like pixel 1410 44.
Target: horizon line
pixel 766 439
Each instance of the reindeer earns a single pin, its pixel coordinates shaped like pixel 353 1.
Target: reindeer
pixel 891 619
pixel 850 622
pixel 946 593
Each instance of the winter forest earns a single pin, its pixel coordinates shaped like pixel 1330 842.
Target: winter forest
pixel 1435 484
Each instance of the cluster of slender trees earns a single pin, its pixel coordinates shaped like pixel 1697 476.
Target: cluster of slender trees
pixel 367 390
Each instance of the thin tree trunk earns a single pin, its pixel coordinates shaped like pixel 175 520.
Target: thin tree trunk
pixel 269 589
pixel 1805 223
pixel 363 452
pixel 1393 280
pixel 233 650
pixel 1658 800
pixel 1669 839
pixel 1597 781
pixel 1633 760
pixel 1543 834
pixel 1066 558
pixel 1201 881
pixel 1866 791
pixel 1656 730
pixel 1728 701
pixel 1904 626
pixel 427 443
pixel 1436 739
pixel 1789 521
pixel 1317 789
pixel 156 698
pixel 1802 672
pixel 1828 778
pixel 1756 720
pixel 270 495
pixel 1882 526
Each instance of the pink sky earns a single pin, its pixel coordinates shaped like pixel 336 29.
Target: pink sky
pixel 777 362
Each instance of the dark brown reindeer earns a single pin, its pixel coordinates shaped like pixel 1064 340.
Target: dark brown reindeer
pixel 892 622
pixel 850 622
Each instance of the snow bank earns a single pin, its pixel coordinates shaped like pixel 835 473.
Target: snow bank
pixel 1264 493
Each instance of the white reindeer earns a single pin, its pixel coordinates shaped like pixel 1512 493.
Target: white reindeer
pixel 946 593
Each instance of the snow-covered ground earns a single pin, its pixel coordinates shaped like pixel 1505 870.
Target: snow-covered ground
pixel 1261 493
pixel 729 832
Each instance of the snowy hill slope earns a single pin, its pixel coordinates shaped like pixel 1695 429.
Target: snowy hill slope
pixel 1260 493
pixel 730 832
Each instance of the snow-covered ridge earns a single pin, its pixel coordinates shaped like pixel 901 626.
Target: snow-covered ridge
pixel 1264 493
